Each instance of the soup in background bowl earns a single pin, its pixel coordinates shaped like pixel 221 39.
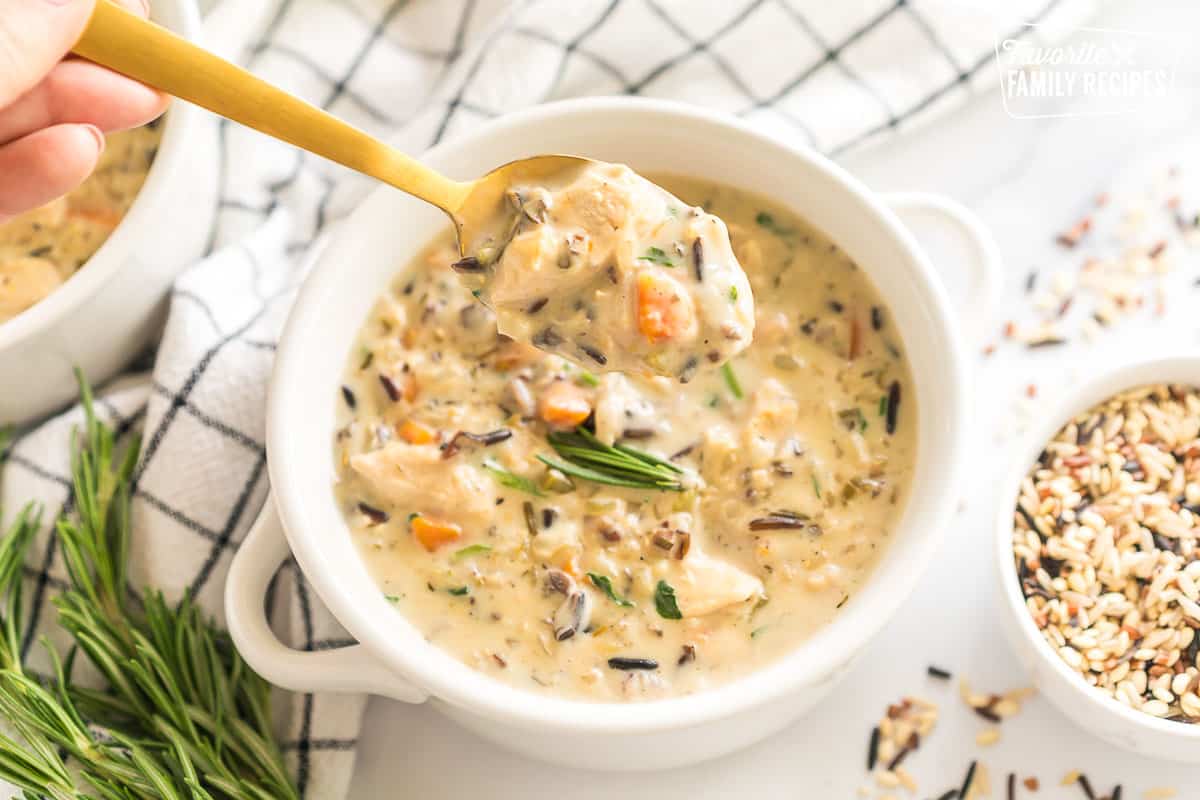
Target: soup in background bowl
pixel 42 248
pixel 480 507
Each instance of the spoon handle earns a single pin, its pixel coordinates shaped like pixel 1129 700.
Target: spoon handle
pixel 146 52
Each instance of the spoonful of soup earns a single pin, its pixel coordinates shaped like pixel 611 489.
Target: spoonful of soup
pixel 577 257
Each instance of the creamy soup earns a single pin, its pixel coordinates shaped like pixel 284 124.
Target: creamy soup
pixel 622 536
pixel 613 272
pixel 42 248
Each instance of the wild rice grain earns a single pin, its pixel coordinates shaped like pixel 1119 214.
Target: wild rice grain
pixel 873 749
pixel 968 780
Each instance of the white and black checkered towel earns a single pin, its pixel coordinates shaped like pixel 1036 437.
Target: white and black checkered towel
pixel 835 75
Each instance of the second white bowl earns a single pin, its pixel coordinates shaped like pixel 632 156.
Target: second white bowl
pixel 1091 709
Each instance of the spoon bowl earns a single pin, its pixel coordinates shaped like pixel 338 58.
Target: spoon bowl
pixel 485 201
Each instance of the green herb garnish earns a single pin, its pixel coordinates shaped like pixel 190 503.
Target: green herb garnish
pixel 458 591
pixel 853 418
pixel 731 380
pixel 183 717
pixel 816 485
pixel 656 255
pixel 664 601
pixel 883 406
pixel 767 221
pixel 392 598
pixel 604 584
pixel 587 378
pixel 615 465
pixel 733 294
pixel 471 550
pixel 511 479
pixel 754 634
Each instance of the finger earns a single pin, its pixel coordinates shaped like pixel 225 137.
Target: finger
pixel 46 165
pixel 34 36
pixel 81 92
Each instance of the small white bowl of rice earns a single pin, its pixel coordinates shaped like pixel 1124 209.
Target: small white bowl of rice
pixel 1098 549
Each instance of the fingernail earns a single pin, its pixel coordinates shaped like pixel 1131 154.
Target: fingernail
pixel 97 135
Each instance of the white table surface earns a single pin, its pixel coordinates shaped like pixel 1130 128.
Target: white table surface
pixel 1028 179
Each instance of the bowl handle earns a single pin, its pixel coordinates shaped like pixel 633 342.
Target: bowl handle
pixel 344 669
pixel 979 298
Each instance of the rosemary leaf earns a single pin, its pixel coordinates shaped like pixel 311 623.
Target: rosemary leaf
pixel 183 717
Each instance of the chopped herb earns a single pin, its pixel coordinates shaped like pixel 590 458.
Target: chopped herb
pixel 368 357
pixel 587 378
pixel 511 479
pixel 392 598
pixel 664 601
pixel 754 634
pixel 731 380
pixel 853 418
pixel 816 485
pixel 733 294
pixel 883 406
pixel 673 211
pixel 604 584
pixel 530 520
pixel 458 591
pixel 413 516
pixel 615 465
pixel 767 221
pixel 656 255
pixel 471 550
pixel 476 293
pixel 714 401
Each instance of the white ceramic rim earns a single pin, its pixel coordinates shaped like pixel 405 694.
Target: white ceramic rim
pixel 182 17
pixel 1180 369
pixel 827 651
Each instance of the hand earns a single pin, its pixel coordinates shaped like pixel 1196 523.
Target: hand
pixel 53 112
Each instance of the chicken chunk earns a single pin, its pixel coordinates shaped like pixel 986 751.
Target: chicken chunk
pixel 704 584
pixel 416 478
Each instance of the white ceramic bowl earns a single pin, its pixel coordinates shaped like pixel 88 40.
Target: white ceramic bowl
pixel 110 310
pixel 1092 710
pixel 393 658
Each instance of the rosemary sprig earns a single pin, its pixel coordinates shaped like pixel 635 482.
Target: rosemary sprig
pixel 615 465
pixel 183 718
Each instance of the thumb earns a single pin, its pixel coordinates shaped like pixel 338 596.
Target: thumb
pixel 34 36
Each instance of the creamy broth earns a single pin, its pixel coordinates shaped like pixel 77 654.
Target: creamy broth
pixel 611 271
pixel 795 464
pixel 42 248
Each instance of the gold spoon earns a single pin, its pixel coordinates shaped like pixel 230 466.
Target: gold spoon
pixel 149 53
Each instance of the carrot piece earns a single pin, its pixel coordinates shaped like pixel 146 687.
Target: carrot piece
pixel 662 308
pixel 414 432
pixel 433 533
pixel 564 405
pixel 100 216
pixel 570 565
